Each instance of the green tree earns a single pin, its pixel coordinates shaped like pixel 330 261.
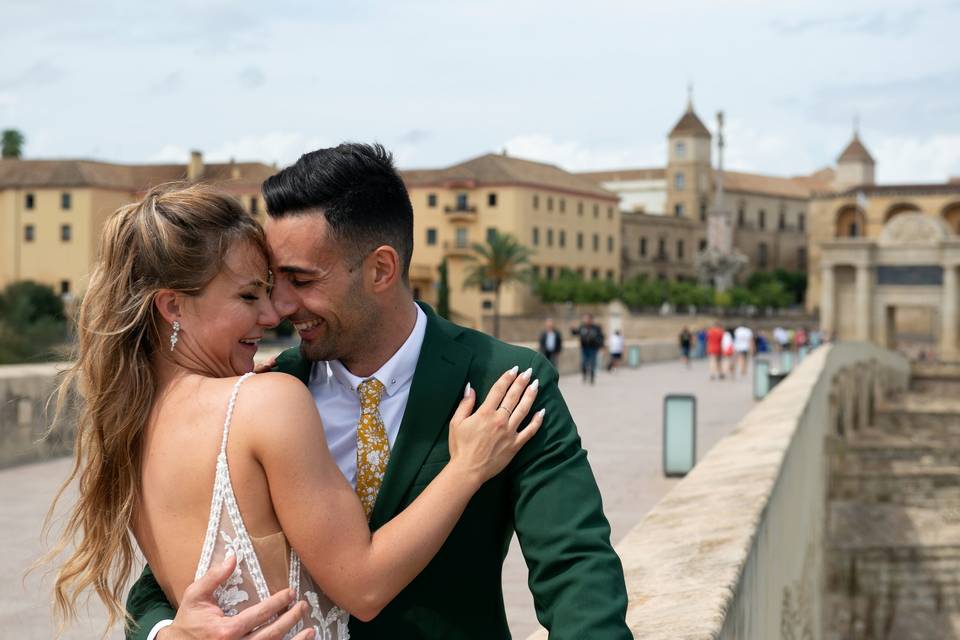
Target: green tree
pixel 500 260
pixel 443 291
pixel 11 143
pixel 32 322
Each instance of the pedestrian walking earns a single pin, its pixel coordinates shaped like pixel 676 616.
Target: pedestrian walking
pixel 726 350
pixel 686 338
pixel 743 346
pixel 591 341
pixel 714 342
pixel 616 350
pixel 551 342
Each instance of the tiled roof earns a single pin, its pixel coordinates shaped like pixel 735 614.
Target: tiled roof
pixel 15 173
pixel 625 175
pixel 936 188
pixel 690 125
pixel 801 187
pixel 855 152
pixel 500 169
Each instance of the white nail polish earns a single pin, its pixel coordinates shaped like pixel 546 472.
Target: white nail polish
pixel 542 412
pixel 513 371
pixel 466 390
pixel 535 384
pixel 526 374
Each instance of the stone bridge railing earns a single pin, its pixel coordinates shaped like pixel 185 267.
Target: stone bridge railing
pixel 25 414
pixel 736 549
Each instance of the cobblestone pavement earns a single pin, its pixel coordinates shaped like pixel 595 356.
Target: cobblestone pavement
pixel 619 420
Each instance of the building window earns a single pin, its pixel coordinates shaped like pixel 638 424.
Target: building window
pixel 65 201
pixel 65 233
pixel 703 244
pixel 563 205
pixel 491 199
pixel 461 202
pixel 488 304
pixel 562 239
pixel 609 213
pixel 461 237
pixel 595 274
pixel 431 200
pixel 680 149
pixel 802 258
pixel 703 211
pixel 549 203
pixel 64 287
pixel 609 244
pixel 610 274
pixel 762 219
pixel 491 234
pixel 431 236
pixel 678 209
pixel 579 240
pixel 28 201
pixel 549 273
pixel 549 237
pixel 535 239
pixel 762 255
pixel 596 211
pixel 596 242
pixel 580 208
pixel 679 249
pixel 536 270
pixel 580 272
pixel 782 221
pixel 536 201
pixel 741 216
pixel 254 205
pixel 679 181
pixel 643 247
pixel 662 249
pixel 28 233
pixel 801 222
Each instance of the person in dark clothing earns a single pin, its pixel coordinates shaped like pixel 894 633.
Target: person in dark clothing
pixel 686 338
pixel 551 342
pixel 591 341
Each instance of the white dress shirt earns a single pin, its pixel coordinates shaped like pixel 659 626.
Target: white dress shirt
pixel 334 390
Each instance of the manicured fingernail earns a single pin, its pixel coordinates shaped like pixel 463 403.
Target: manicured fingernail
pixel 542 412
pixel 526 374
pixel 513 371
pixel 535 384
pixel 466 390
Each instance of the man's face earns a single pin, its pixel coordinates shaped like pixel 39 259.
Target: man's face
pixel 318 285
pixel 549 325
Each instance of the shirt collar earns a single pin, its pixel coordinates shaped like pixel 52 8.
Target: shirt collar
pixel 396 371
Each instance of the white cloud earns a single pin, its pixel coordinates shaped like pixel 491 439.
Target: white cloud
pixel 910 159
pixel 282 147
pixel 7 100
pixel 576 156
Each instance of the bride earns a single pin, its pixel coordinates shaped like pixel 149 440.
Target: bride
pixel 183 451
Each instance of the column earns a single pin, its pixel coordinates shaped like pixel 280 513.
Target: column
pixel 827 300
pixel 864 288
pixel 949 349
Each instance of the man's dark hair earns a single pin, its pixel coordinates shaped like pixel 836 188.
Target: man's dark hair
pixel 358 191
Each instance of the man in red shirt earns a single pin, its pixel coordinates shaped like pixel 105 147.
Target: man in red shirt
pixel 714 343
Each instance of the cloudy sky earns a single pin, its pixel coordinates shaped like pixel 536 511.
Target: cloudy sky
pixel 587 85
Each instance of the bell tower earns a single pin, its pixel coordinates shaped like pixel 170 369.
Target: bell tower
pixel 688 166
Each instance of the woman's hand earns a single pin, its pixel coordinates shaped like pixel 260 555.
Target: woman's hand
pixel 482 444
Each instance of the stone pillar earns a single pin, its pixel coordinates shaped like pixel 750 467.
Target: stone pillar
pixel 864 289
pixel 949 349
pixel 828 300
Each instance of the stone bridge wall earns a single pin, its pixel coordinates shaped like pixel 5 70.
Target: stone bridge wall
pixel 25 391
pixel 737 549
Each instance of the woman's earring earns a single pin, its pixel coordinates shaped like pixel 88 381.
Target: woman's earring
pixel 175 335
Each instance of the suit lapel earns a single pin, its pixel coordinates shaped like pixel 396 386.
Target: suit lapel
pixel 437 387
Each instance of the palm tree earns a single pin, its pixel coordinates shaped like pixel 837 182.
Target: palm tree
pixel 501 260
pixel 11 143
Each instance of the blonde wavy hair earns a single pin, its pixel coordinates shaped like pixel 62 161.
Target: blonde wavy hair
pixel 175 238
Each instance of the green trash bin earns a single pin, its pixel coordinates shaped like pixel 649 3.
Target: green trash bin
pixel 633 356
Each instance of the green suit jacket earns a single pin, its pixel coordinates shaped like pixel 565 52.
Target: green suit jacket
pixel 547 494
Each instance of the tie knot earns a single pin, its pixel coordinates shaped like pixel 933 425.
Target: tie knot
pixel 370 390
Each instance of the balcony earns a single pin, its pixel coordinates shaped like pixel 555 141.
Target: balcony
pixel 461 213
pixel 457 250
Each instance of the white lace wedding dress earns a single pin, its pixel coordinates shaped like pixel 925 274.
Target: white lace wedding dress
pixel 264 565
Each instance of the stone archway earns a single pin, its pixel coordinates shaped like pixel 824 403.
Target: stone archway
pixel 898 208
pixel 850 222
pixel 951 215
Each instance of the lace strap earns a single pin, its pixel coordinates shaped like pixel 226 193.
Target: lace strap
pixel 230 405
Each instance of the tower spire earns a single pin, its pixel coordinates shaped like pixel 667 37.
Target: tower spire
pixel 690 96
pixel 856 125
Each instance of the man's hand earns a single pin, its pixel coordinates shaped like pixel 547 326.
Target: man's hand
pixel 200 618
pixel 266 366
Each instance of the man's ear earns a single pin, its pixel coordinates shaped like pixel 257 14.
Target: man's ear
pixel 384 265
pixel 167 303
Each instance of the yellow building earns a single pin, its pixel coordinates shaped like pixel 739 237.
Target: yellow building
pixel 52 211
pixel 567 220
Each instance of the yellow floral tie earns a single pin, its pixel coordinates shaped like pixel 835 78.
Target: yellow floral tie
pixel 373 448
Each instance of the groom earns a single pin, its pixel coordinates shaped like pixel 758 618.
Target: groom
pixel 341 237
